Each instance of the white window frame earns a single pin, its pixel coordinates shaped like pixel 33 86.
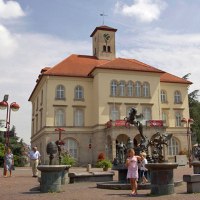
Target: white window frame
pixel 114 86
pixel 60 92
pixel 78 117
pixel 173 147
pixel 79 94
pixel 163 96
pixel 146 89
pixel 138 89
pixel 177 97
pixel 59 117
pixel 130 89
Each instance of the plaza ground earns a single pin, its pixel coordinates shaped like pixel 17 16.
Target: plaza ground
pixel 22 186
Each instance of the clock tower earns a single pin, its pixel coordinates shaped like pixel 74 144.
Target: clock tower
pixel 103 42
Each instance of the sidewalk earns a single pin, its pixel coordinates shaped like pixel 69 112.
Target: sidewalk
pixel 22 186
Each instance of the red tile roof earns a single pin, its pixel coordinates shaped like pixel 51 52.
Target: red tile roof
pixel 169 78
pixel 83 66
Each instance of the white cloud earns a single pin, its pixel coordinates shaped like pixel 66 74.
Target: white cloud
pixel 143 10
pixel 20 70
pixel 8 43
pixel 10 9
pixel 175 53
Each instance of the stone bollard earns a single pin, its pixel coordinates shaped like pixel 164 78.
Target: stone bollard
pixel 88 169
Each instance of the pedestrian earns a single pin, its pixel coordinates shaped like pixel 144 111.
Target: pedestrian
pixel 34 156
pixel 143 169
pixel 8 162
pixel 132 174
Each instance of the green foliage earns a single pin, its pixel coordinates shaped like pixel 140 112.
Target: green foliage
pixel 104 163
pixel 17 148
pixel 66 159
pixel 194 106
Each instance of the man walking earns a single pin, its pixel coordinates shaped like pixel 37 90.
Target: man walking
pixel 34 156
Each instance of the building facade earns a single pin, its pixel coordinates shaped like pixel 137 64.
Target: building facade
pixel 82 93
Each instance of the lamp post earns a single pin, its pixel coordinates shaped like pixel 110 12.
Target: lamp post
pixel 14 107
pixel 59 142
pixel 188 122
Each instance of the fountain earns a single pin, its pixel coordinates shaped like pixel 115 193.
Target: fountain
pixel 53 176
pixel 162 182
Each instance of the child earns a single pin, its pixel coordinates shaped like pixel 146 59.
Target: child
pixel 8 162
pixel 132 174
pixel 143 168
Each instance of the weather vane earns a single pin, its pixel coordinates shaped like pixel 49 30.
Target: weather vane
pixel 103 15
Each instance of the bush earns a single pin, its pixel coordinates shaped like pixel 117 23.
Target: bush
pixel 66 159
pixel 104 163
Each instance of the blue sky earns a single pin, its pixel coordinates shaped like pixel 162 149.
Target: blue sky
pixel 39 33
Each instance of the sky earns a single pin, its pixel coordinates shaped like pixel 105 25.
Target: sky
pixel 38 33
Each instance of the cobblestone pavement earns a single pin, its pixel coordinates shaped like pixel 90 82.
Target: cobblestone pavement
pixel 22 186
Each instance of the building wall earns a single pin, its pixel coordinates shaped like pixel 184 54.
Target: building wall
pixel 96 105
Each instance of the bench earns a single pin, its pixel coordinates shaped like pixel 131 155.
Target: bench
pixel 193 183
pixel 90 177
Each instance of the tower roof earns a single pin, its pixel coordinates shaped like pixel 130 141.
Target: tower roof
pixel 104 28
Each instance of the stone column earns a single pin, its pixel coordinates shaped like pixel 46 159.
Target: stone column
pixel 113 149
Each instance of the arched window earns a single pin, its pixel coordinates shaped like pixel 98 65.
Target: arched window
pixel 60 92
pixel 79 93
pixel 59 117
pixel 113 88
pixel 173 147
pixel 138 89
pixel 130 89
pixel 163 96
pixel 109 49
pixel 177 97
pixel 104 48
pixel 114 113
pixel 71 146
pixel 146 90
pixel 78 117
pixel 122 88
pixel 178 117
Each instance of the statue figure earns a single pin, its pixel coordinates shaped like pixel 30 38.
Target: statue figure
pixel 132 120
pixel 121 151
pixel 196 152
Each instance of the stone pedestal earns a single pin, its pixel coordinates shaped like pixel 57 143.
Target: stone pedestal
pixel 196 167
pixel 53 177
pixel 122 173
pixel 162 182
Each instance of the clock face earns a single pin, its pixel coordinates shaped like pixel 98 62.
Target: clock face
pixel 106 37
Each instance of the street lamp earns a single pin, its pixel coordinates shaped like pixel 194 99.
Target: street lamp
pixel 14 107
pixel 188 122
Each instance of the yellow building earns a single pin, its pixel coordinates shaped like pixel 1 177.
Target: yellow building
pixel 82 93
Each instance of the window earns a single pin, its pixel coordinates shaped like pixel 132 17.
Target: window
pixel 122 88
pixel 137 89
pixel 130 89
pixel 60 92
pixel 104 48
pixel 146 90
pixel 79 93
pixel 163 96
pixel 109 50
pixel 114 113
pixel 173 147
pixel 178 117
pixel 165 117
pixel 41 119
pixel 177 97
pixel 114 88
pixel 71 146
pixel 146 113
pixel 78 117
pixel 59 117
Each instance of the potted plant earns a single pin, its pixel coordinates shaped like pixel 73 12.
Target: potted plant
pixel 105 164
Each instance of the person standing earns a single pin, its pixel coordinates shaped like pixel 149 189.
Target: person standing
pixel 8 162
pixel 143 168
pixel 132 173
pixel 34 156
